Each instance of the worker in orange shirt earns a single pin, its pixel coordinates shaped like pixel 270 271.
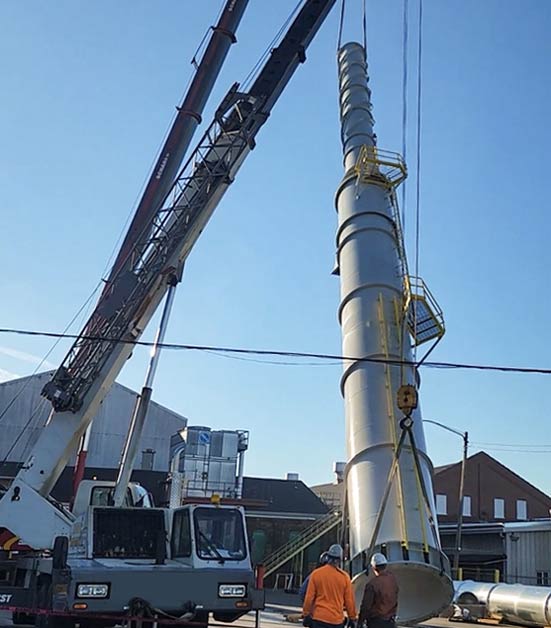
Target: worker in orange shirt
pixel 329 593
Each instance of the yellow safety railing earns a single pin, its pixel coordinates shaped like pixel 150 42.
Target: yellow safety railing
pixel 375 165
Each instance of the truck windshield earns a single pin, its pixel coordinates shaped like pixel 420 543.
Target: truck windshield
pixel 219 534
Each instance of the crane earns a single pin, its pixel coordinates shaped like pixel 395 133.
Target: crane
pixel 200 551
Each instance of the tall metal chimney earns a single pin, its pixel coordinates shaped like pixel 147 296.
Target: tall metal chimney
pixel 374 317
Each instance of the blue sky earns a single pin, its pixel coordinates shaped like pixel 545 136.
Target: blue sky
pixel 89 90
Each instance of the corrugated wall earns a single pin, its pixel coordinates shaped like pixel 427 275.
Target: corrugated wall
pixel 108 430
pixel 528 553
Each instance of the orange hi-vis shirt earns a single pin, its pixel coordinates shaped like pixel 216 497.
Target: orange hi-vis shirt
pixel 329 593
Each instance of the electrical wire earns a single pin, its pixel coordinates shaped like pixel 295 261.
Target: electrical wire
pixel 521 445
pixel 289 354
pixel 37 409
pixel 513 451
pixel 58 337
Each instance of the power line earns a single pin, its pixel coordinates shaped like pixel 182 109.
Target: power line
pixel 44 359
pixel 515 445
pixel 515 451
pixel 287 354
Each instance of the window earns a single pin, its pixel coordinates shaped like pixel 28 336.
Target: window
pixel 466 505
pixel 542 578
pixel 219 534
pixel 441 504
pixel 522 509
pixel 181 534
pixel 103 496
pixel 128 532
pixel 499 508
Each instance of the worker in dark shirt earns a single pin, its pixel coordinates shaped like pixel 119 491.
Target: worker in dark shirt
pixel 380 598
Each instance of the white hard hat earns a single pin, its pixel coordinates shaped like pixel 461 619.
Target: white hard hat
pixel 378 559
pixel 335 551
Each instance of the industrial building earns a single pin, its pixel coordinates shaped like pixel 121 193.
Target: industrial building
pixel 493 492
pixel 26 412
pixel 528 549
pixel 506 532
pixel 210 461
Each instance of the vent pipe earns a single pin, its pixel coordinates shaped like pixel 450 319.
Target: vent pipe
pixel 370 260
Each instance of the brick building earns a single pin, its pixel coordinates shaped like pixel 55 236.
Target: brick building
pixel 494 497
pixel 493 493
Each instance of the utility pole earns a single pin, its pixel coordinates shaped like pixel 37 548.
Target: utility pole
pixel 455 568
pixel 465 437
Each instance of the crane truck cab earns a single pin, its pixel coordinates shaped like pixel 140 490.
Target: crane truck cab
pixel 199 556
pixel 100 493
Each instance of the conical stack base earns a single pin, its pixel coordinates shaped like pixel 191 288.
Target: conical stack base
pixel 424 591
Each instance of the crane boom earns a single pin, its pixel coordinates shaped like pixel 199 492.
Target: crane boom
pixel 97 356
pixel 188 117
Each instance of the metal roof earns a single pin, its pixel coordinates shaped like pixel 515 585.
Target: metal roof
pixel 29 412
pixel 542 525
pixel 283 496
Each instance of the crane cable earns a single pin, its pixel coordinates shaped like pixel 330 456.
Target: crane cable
pixel 418 153
pixel 364 25
pixel 341 25
pixel 405 29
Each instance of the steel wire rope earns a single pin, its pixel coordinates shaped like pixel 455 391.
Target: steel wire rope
pixel 290 354
pixel 119 238
pixel 186 162
pixel 253 73
pixel 123 230
pixel 364 25
pixel 405 38
pixel 405 30
pixel 341 26
pixel 418 158
pixel 157 153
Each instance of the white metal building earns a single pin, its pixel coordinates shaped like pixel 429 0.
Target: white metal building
pixel 528 550
pixel 29 412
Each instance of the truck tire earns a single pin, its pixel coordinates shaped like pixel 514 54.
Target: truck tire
pixel 45 603
pixel 22 619
pixel 201 619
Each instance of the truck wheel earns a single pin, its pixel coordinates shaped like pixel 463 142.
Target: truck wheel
pixel 21 619
pixel 45 603
pixel 201 620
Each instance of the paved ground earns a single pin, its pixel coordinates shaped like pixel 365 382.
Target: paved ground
pixel 278 605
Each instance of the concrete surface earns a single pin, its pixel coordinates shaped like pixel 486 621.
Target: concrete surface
pixel 277 606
